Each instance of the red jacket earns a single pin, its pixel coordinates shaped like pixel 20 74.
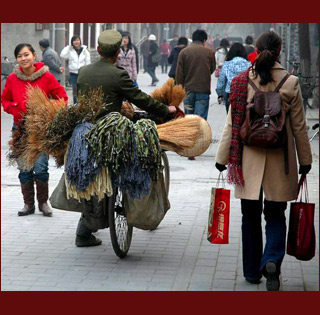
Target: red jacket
pixel 13 97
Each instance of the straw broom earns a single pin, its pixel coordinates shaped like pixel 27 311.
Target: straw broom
pixel 40 112
pixel 180 133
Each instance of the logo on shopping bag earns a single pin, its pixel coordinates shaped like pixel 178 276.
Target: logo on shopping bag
pixel 221 206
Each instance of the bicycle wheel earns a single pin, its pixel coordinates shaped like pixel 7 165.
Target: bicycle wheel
pixel 310 95
pixel 120 231
pixel 166 171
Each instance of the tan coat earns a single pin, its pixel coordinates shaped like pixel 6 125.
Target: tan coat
pixel 265 167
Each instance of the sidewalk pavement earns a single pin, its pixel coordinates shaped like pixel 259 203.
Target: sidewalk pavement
pixel 38 253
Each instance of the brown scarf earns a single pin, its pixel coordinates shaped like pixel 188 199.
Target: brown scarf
pixel 238 101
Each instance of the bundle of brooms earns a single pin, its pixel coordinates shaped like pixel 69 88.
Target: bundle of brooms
pixel 48 124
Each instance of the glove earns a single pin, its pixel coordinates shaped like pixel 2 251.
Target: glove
pixel 304 169
pixel 220 167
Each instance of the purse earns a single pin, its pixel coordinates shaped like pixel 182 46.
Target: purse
pixel 219 213
pixel 301 240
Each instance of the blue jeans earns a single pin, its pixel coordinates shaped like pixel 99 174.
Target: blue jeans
pixel 253 256
pixel 197 103
pixel 73 81
pixel 39 170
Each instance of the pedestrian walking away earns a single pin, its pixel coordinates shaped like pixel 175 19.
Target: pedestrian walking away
pixel 165 51
pixel 195 65
pixel 51 59
pixel 153 59
pixel 261 173
pixel 235 63
pixel 13 99
pixel 77 56
pixel 194 68
pixel 116 85
pixel 173 58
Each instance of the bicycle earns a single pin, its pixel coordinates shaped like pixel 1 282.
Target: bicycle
pixel 120 231
pixel 314 127
pixel 307 84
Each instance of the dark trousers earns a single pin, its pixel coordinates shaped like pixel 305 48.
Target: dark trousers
pixel 253 256
pixel 151 70
pixel 73 81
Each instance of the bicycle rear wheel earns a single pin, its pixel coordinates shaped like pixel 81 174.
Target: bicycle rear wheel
pixel 120 231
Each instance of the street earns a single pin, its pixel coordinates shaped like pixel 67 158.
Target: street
pixel 39 254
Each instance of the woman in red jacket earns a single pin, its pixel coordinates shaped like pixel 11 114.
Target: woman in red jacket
pixel 13 99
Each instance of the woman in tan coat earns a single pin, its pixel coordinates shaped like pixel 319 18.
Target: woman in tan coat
pixel 257 171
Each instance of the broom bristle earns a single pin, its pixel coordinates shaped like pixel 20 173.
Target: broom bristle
pixel 180 132
pixel 169 93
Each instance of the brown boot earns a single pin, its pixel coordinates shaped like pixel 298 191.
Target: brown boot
pixel 42 196
pixel 27 190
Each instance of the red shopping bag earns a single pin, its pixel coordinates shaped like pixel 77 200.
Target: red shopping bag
pixel 218 223
pixel 301 241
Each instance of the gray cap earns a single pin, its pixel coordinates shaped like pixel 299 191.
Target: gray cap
pixel 109 42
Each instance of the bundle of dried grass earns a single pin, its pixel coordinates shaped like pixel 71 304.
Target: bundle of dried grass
pixel 17 144
pixel 48 125
pixel 61 127
pixel 40 112
pixel 169 93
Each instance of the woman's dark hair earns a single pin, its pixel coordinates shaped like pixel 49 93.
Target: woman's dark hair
pixel 183 41
pixel 44 43
pixel 127 34
pixel 236 50
pixel 249 40
pixel 199 35
pixel 225 44
pixel 20 47
pixel 73 38
pixel 268 45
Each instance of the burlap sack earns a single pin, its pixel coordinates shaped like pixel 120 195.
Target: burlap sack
pixel 148 212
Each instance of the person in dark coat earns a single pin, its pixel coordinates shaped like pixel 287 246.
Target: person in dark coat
pixel 117 86
pixel 152 62
pixel 173 58
pixel 51 59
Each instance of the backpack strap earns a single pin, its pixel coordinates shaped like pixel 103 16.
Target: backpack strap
pixel 284 79
pixel 282 82
pixel 253 85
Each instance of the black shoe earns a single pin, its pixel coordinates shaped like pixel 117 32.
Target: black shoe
pixel 191 158
pixel 91 240
pixel 253 281
pixel 272 275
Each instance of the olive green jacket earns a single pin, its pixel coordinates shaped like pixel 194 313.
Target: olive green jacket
pixel 117 86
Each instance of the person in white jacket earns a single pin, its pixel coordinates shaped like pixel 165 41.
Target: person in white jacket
pixel 78 56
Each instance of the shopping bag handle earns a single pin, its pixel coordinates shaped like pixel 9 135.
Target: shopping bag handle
pixel 303 184
pixel 221 178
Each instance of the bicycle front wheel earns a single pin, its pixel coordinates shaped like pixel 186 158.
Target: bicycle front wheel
pixel 120 231
pixel 166 171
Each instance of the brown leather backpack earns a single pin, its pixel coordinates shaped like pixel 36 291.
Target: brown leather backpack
pixel 264 124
